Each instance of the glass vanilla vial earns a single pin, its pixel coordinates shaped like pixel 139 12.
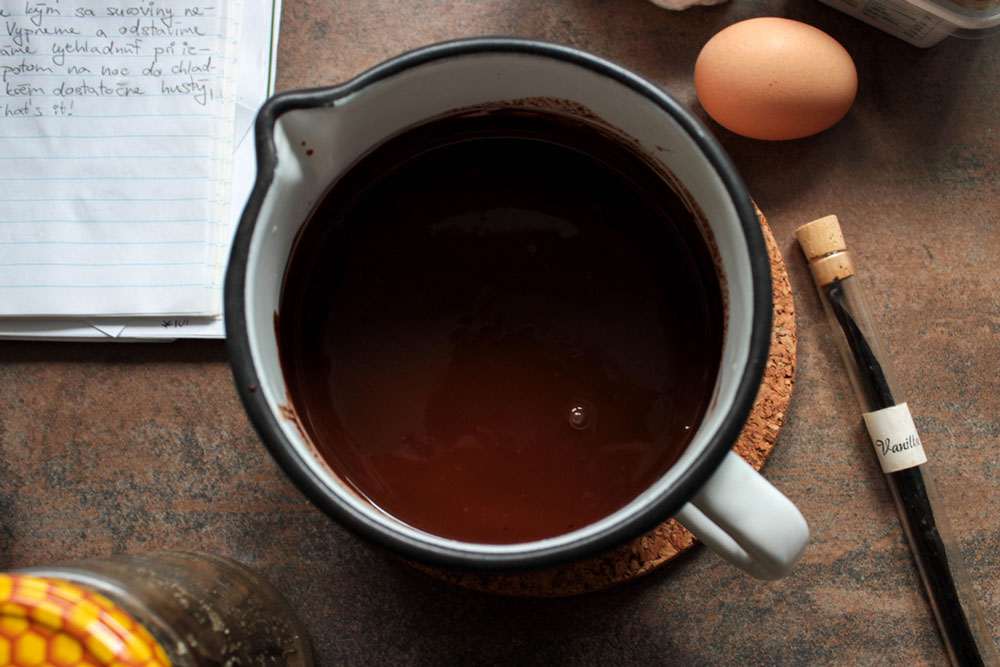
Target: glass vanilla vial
pixel 898 448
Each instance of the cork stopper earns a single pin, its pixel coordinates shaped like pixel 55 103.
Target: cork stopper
pixel 821 237
pixel 835 267
pixel 824 247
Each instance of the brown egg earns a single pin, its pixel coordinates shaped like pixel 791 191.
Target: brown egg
pixel 774 78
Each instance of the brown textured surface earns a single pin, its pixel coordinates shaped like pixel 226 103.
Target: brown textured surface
pixel 670 539
pixel 133 447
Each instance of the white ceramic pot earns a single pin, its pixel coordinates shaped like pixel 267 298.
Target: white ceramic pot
pixel 710 490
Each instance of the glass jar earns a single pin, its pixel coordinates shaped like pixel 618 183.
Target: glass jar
pixel 166 608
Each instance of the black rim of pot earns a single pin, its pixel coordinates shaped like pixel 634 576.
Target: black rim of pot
pixel 290 460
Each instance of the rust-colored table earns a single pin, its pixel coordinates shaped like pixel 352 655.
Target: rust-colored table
pixel 132 447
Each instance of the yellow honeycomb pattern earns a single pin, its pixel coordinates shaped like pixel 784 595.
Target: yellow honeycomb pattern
pixel 53 623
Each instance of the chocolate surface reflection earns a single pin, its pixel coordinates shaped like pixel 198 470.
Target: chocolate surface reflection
pixel 500 327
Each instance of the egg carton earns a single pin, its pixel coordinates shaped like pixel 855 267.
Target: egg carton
pixel 925 23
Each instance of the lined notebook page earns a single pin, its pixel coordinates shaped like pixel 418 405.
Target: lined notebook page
pixel 115 147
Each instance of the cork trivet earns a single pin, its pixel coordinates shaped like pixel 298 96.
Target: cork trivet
pixel 670 539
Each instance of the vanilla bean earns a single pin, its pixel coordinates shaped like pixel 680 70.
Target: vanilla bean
pixel 909 488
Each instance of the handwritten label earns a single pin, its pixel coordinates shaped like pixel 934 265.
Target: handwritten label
pixel 116 131
pixel 895 438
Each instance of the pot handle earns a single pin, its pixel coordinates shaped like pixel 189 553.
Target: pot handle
pixel 743 518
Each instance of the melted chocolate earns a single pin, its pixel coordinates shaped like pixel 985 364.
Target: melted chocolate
pixel 500 327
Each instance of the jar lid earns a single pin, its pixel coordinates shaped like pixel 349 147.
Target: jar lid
pixel 52 622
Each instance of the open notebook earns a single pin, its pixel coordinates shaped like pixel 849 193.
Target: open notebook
pixel 126 155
